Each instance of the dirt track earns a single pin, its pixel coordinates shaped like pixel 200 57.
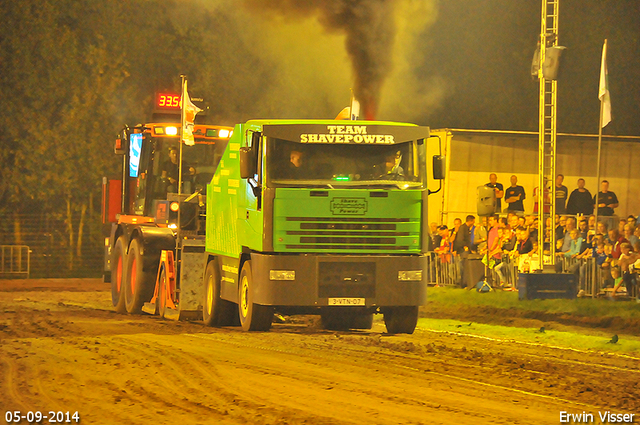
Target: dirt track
pixel 62 349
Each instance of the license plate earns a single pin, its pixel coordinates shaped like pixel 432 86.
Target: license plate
pixel 346 301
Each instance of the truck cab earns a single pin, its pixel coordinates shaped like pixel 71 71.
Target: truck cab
pixel 320 217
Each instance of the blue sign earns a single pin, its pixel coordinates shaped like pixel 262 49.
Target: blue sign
pixel 135 149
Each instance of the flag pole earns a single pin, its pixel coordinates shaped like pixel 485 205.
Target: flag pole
pixel 182 119
pixel 598 161
pixel 603 85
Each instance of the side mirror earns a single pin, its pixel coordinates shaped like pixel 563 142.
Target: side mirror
pixel 247 163
pixel 439 167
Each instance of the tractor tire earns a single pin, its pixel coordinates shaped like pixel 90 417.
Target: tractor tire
pixel 253 317
pixel 139 285
pixel 215 310
pixel 161 302
pixel 118 262
pixel 401 320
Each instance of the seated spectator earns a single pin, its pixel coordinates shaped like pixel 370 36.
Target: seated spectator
pixel 524 245
pixel 575 245
pixel 629 230
pixel 602 228
pixel 627 258
pixel 617 280
pixel 616 241
pixel 570 226
pixel 508 242
pixel 560 223
pixel 531 261
pixel 583 228
pixel 636 233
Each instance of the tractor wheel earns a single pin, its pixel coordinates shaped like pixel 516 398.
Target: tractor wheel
pixel 253 317
pixel 118 261
pixel 139 285
pixel 161 302
pixel 215 310
pixel 401 320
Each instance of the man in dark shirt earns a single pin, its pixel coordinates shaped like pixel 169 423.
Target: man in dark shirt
pixel 524 244
pixel 561 195
pixel 606 200
pixel 462 242
pixel 514 195
pixel 498 188
pixel 580 201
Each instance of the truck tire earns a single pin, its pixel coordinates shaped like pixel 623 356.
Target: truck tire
pixel 118 261
pixel 215 310
pixel 338 319
pixel 401 320
pixel 139 285
pixel 253 317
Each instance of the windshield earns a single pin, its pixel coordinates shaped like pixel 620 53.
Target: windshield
pixel 199 163
pixel 293 164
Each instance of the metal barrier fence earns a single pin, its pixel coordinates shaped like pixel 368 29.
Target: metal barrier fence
pixel 15 261
pixel 445 270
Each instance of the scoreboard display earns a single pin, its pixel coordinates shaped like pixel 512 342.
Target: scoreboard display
pixel 168 101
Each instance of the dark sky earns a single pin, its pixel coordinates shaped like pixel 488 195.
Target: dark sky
pixel 483 51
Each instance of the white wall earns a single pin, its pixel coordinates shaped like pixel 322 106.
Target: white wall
pixel 473 156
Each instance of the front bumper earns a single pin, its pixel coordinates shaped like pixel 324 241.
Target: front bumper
pixel 322 280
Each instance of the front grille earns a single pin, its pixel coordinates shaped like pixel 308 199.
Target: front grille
pixel 349 233
pixel 343 279
pixel 351 247
pixel 348 226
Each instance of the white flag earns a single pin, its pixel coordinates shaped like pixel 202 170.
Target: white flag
pixel 189 111
pixel 603 92
pixel 355 109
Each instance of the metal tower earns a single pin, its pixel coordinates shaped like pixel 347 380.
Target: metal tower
pixel 547 132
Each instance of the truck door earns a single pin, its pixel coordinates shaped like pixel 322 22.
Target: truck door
pixel 250 197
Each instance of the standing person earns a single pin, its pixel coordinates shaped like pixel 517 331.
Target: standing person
pixel 580 200
pixel 498 189
pixel 561 195
pixel 462 242
pixel 547 199
pixel 434 235
pixel 606 200
pixel 514 195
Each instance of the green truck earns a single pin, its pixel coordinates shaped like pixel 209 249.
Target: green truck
pixel 318 217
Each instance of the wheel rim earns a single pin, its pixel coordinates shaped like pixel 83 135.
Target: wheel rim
pixel 244 296
pixel 162 296
pixel 119 274
pixel 209 295
pixel 132 281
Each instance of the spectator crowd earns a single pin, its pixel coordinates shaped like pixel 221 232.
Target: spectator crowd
pixel 509 244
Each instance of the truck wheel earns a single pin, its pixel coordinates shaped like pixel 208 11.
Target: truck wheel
pixel 118 260
pixel 139 285
pixel 401 320
pixel 215 310
pixel 253 317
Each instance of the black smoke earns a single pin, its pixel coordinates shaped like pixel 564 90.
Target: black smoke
pixel 369 29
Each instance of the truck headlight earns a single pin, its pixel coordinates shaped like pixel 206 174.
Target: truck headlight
pixel 282 275
pixel 406 275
